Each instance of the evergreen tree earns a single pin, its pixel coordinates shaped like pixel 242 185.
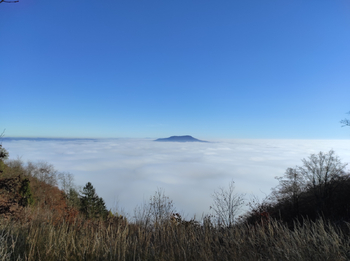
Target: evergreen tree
pixel 25 192
pixel 91 204
pixel 101 208
pixel 73 198
pixel 3 156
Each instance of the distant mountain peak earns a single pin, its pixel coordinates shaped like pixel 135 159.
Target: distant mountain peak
pixel 185 138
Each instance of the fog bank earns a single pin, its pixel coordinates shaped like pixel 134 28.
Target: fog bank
pixel 130 170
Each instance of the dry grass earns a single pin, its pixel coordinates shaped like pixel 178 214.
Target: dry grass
pixel 42 239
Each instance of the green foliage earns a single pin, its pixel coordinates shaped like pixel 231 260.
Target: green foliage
pixel 3 155
pixel 73 198
pixel 101 208
pixel 25 192
pixel 91 205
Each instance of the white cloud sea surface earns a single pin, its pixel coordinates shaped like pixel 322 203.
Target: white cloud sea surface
pixel 130 170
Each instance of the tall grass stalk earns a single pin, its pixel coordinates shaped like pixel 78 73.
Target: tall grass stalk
pixel 43 239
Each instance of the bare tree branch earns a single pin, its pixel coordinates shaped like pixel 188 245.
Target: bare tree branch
pixel 5 1
pixel 3 133
pixel 345 122
pixel 159 209
pixel 226 205
pixel 1 136
pixel 320 171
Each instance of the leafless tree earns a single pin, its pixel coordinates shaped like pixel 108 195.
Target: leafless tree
pixel 16 164
pixel 142 215
pixel 43 171
pixel 159 209
pixel 66 181
pixel 320 170
pixel 290 187
pixel 226 205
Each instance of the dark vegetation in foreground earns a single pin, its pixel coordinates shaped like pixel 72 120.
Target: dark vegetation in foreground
pixel 305 218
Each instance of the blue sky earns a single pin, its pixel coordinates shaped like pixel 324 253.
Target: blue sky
pixel 211 69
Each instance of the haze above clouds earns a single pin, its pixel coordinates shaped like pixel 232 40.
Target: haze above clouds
pixel 130 170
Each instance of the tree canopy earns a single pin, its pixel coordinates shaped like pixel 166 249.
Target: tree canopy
pixel 91 204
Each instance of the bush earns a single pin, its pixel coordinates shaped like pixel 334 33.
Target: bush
pixel 25 192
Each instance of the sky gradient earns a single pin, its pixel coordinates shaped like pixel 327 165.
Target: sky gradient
pixel 228 69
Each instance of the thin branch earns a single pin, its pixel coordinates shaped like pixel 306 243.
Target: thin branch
pixel 3 133
pixel 5 1
pixel 1 136
pixel 345 122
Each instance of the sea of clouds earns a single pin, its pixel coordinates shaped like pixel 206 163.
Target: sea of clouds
pixel 126 172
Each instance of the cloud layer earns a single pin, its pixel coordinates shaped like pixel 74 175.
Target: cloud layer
pixel 130 170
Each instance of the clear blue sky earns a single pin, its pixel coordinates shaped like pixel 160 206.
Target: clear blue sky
pixel 211 69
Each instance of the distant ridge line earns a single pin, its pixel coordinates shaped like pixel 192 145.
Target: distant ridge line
pixel 184 138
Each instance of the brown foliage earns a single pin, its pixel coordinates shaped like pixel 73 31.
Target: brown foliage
pixel 11 202
pixel 46 197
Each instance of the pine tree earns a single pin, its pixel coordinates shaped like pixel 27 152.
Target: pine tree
pixel 101 208
pixel 91 204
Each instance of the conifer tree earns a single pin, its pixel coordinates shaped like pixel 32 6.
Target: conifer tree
pixel 101 208
pixel 73 198
pixel 91 204
pixel 25 192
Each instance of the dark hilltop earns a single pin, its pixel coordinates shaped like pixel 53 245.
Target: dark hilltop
pixel 185 138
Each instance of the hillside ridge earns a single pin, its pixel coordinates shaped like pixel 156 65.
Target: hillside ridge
pixel 184 138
